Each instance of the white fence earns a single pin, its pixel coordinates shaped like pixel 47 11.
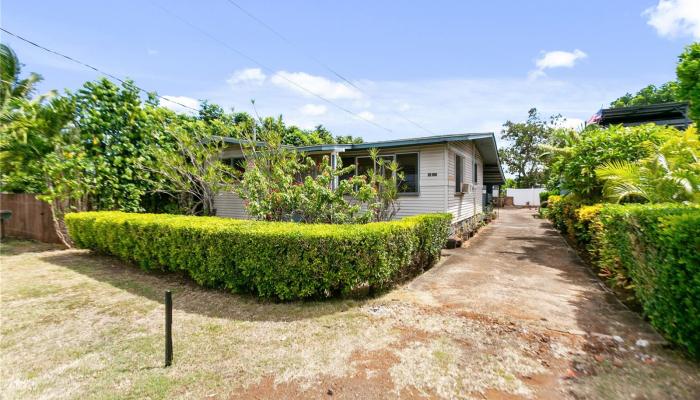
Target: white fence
pixel 524 197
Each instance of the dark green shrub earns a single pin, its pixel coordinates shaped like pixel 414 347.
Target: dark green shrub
pixel 283 260
pixel 656 250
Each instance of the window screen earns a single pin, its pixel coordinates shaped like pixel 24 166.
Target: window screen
pixel 408 167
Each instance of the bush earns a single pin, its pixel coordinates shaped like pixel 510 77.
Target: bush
pixel 652 249
pixel 281 260
pixel 656 249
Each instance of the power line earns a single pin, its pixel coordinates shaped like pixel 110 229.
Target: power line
pixel 266 68
pixel 116 78
pixel 319 62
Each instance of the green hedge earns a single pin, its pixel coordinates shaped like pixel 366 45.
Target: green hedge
pixel 655 250
pixel 282 260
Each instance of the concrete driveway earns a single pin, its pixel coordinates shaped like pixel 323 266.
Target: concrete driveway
pixel 520 268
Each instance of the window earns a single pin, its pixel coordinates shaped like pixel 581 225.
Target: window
pixel 476 173
pixel 347 161
pixel 238 163
pixel 364 164
pixel 408 167
pixel 459 166
pixel 407 163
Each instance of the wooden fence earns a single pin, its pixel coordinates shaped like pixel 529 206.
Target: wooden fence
pixel 31 218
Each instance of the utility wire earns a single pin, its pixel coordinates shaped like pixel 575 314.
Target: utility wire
pixel 116 78
pixel 319 62
pixel 266 68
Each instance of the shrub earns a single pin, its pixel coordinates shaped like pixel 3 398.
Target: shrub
pixel 652 249
pixel 656 249
pixel 281 260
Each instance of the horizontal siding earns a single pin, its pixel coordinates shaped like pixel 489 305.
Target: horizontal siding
pixel 466 205
pixel 230 205
pixel 431 197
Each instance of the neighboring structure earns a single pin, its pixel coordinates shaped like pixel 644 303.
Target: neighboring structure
pixel 446 173
pixel 525 197
pixel 670 114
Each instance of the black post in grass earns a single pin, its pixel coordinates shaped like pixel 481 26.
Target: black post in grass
pixel 168 328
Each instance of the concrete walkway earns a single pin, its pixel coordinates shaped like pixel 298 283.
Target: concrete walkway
pixel 520 268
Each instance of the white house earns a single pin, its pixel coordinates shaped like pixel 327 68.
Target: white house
pixel 445 173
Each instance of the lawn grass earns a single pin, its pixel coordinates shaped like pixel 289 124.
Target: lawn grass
pixel 74 324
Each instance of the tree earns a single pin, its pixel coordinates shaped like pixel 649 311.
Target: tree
pixel 522 156
pixel 671 173
pixel 688 72
pixel 117 129
pixel 283 184
pixel 573 168
pixel 668 92
pixel 189 170
pixel 12 87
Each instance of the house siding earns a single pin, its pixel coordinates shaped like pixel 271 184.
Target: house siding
pixel 469 204
pixel 436 192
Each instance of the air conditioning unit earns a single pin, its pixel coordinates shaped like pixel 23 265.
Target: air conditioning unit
pixel 467 188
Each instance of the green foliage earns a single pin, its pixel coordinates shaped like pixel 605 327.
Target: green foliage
pixel 574 170
pixel 271 259
pixel 522 157
pixel 656 250
pixel 283 184
pixel 653 249
pixel 189 169
pixel 670 174
pixel 666 93
pixel 688 73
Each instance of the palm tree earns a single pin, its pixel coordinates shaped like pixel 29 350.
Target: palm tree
pixel 670 174
pixel 12 88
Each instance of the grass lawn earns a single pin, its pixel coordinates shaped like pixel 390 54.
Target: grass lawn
pixel 79 325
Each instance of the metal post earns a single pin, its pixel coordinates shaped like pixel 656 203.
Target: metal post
pixel 168 328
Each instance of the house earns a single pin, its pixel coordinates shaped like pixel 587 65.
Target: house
pixel 445 173
pixel 669 114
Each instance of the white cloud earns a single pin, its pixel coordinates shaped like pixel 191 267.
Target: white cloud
pixel 673 18
pixel 366 115
pixel 556 59
pixel 248 75
pixel 152 52
pixel 315 84
pixel 171 103
pixel 313 109
pixel 404 107
pixel 441 105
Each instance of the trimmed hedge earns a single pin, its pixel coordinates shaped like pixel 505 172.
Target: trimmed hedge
pixel 653 249
pixel 283 260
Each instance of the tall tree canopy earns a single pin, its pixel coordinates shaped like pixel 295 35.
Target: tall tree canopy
pixel 668 92
pixel 522 156
pixel 688 72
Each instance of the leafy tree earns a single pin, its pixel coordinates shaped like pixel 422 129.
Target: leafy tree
pixel 573 169
pixel 189 170
pixel 282 184
pixel 688 72
pixel 522 156
pixel 12 87
pixel 668 92
pixel 671 173
pixel 117 130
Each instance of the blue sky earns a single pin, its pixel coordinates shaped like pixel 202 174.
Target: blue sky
pixel 450 66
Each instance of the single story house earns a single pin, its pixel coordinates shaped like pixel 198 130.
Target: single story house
pixel 445 173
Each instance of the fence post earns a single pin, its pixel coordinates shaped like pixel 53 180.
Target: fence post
pixel 168 328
